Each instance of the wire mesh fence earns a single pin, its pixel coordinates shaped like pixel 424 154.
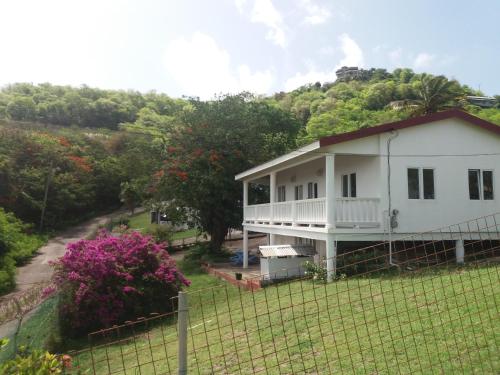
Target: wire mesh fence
pixel 431 305
pixel 16 310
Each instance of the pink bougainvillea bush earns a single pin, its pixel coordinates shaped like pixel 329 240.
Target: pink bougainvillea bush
pixel 111 279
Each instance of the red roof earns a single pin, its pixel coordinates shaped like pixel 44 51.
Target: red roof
pixel 366 132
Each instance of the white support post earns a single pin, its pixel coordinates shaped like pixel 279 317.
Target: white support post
pixel 460 252
pixel 182 329
pixel 245 193
pixel 245 248
pixel 330 190
pixel 272 239
pixel 272 195
pixel 331 257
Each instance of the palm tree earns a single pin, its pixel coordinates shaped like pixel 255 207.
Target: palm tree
pixel 435 93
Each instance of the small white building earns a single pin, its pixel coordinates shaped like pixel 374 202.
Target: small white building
pixel 428 172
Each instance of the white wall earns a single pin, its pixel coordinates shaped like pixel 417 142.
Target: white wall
pixel 451 147
pixel 313 171
pixel 367 169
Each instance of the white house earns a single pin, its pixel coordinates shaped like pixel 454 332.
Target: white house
pixel 427 172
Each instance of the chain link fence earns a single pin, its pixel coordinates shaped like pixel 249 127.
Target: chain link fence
pixel 435 309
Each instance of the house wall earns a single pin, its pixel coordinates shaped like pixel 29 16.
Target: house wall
pixel 313 171
pixel 451 147
pixel 366 167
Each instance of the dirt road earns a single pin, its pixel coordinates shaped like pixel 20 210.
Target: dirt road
pixel 38 269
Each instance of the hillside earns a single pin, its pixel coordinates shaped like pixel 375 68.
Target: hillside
pixel 81 150
pixel 375 96
pixel 358 98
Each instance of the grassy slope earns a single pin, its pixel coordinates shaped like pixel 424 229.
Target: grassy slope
pixel 142 222
pixel 436 322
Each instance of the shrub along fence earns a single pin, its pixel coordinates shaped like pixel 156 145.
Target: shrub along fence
pixel 427 314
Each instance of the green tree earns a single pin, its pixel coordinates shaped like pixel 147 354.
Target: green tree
pixel 219 139
pixel 434 94
pixel 21 108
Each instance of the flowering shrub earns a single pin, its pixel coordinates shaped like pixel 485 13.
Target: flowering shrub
pixel 111 279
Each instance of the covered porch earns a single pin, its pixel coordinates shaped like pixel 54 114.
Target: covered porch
pixel 331 191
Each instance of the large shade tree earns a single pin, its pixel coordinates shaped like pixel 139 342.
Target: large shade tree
pixel 216 140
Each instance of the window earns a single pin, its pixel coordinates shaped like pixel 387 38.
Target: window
pixel 421 183
pixel 353 184
pixel 428 177
pixel 488 185
pixel 349 185
pixel 312 190
pixel 299 195
pixel 281 193
pixel 480 184
pixel 474 184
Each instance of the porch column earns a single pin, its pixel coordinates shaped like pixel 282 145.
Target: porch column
pixel 331 257
pixel 330 190
pixel 272 195
pixel 459 251
pixel 245 248
pixel 245 193
pixel 245 199
pixel 272 239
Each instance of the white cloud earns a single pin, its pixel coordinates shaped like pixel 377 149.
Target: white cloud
pixel 353 56
pixel 312 76
pixel 327 51
pixel 423 60
pixel 395 56
pixel 265 13
pixel 202 68
pixel 240 5
pixel 316 14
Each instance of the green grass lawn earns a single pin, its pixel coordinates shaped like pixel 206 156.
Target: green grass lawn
pixel 142 223
pixel 443 321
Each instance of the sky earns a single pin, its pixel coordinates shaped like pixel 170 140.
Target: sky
pixel 208 47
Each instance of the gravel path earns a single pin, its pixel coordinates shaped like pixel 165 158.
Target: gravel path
pixel 38 269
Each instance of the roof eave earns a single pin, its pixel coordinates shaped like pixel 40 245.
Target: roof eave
pixel 277 161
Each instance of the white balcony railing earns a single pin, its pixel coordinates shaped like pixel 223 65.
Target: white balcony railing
pixel 348 212
pixel 357 211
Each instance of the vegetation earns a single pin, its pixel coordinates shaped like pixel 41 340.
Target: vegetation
pixel 218 140
pixel 112 147
pixel 36 362
pixel 372 324
pixel 113 279
pixel 16 246
pixel 39 331
pixel 62 176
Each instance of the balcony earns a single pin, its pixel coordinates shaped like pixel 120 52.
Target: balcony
pixel 349 212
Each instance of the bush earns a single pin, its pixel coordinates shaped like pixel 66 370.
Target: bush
pixel 113 279
pixel 16 246
pixel 162 233
pixel 202 253
pixel 315 271
pixel 36 362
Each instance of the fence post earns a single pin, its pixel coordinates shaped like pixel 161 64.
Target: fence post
pixel 182 322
